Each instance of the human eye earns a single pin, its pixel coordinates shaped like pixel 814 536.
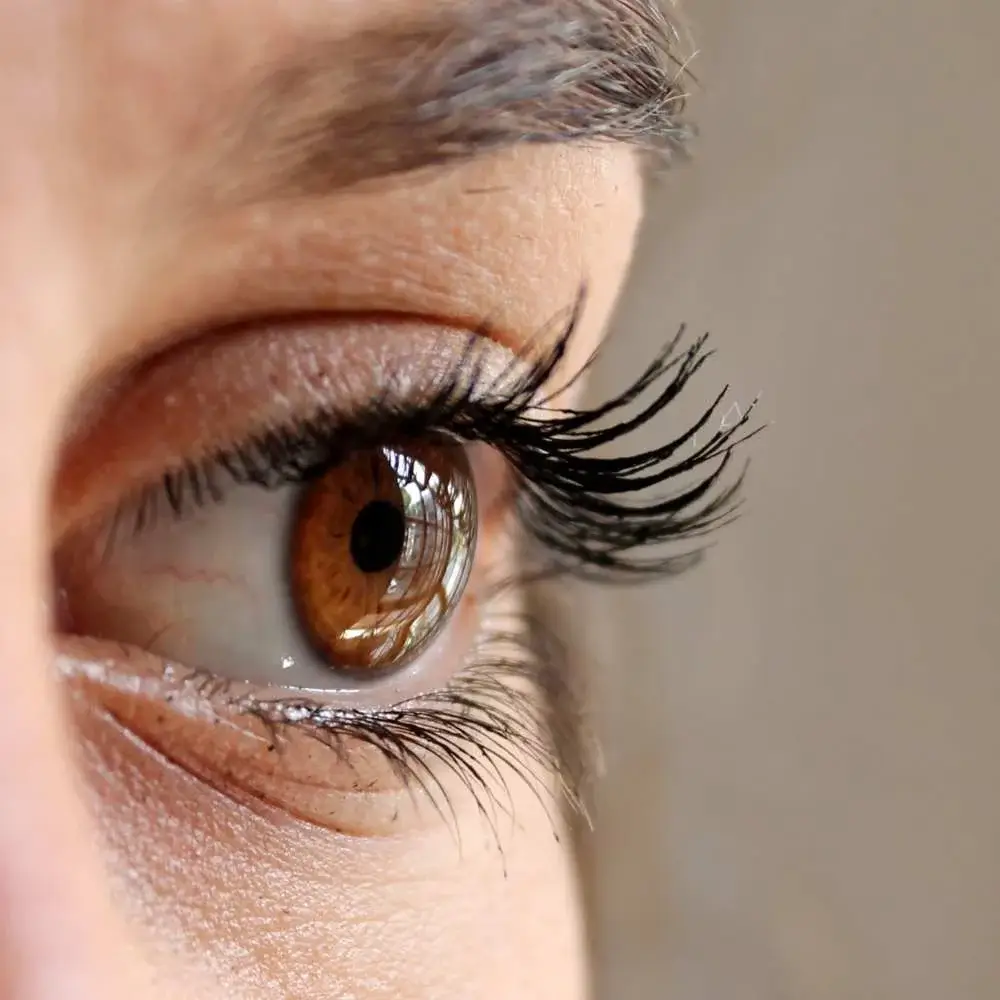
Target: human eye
pixel 303 584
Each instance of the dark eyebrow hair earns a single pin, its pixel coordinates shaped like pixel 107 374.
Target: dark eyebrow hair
pixel 472 77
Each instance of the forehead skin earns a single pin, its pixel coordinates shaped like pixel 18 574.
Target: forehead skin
pixel 117 116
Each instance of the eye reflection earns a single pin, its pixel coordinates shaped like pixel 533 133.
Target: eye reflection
pixel 381 550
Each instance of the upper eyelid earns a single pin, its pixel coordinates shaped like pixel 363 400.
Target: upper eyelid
pixel 571 499
pixel 217 392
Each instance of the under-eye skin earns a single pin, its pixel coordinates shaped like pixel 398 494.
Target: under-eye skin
pixel 315 609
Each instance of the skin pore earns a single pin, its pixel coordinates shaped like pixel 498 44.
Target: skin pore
pixel 146 209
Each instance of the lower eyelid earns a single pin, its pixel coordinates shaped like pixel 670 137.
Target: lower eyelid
pixel 351 790
pixel 344 785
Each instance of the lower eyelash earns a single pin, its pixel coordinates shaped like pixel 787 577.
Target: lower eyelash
pixel 491 718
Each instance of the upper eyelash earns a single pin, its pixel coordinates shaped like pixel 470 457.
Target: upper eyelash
pixel 569 497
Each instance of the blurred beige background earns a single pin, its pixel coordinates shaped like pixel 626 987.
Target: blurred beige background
pixel 804 733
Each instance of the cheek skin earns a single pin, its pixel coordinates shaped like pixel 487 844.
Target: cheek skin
pixel 241 904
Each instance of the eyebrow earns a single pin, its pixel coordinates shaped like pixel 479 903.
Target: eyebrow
pixel 476 76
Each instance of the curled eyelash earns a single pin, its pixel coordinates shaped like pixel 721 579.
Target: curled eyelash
pixel 588 511
pixel 571 498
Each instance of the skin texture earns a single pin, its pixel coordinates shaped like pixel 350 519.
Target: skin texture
pixel 123 875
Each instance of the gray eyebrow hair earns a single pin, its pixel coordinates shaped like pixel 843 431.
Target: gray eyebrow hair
pixel 472 77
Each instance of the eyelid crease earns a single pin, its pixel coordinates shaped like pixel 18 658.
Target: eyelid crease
pixel 108 383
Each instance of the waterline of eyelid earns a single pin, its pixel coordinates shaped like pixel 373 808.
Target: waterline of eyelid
pixel 194 693
pixel 336 793
pixel 174 685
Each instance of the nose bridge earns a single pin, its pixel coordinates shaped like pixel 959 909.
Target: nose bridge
pixel 58 937
pixel 56 931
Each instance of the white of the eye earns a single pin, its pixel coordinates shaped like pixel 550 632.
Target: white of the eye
pixel 210 590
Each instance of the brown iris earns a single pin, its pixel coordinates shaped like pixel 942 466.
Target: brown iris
pixel 381 548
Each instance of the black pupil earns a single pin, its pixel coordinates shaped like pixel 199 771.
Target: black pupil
pixel 377 536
